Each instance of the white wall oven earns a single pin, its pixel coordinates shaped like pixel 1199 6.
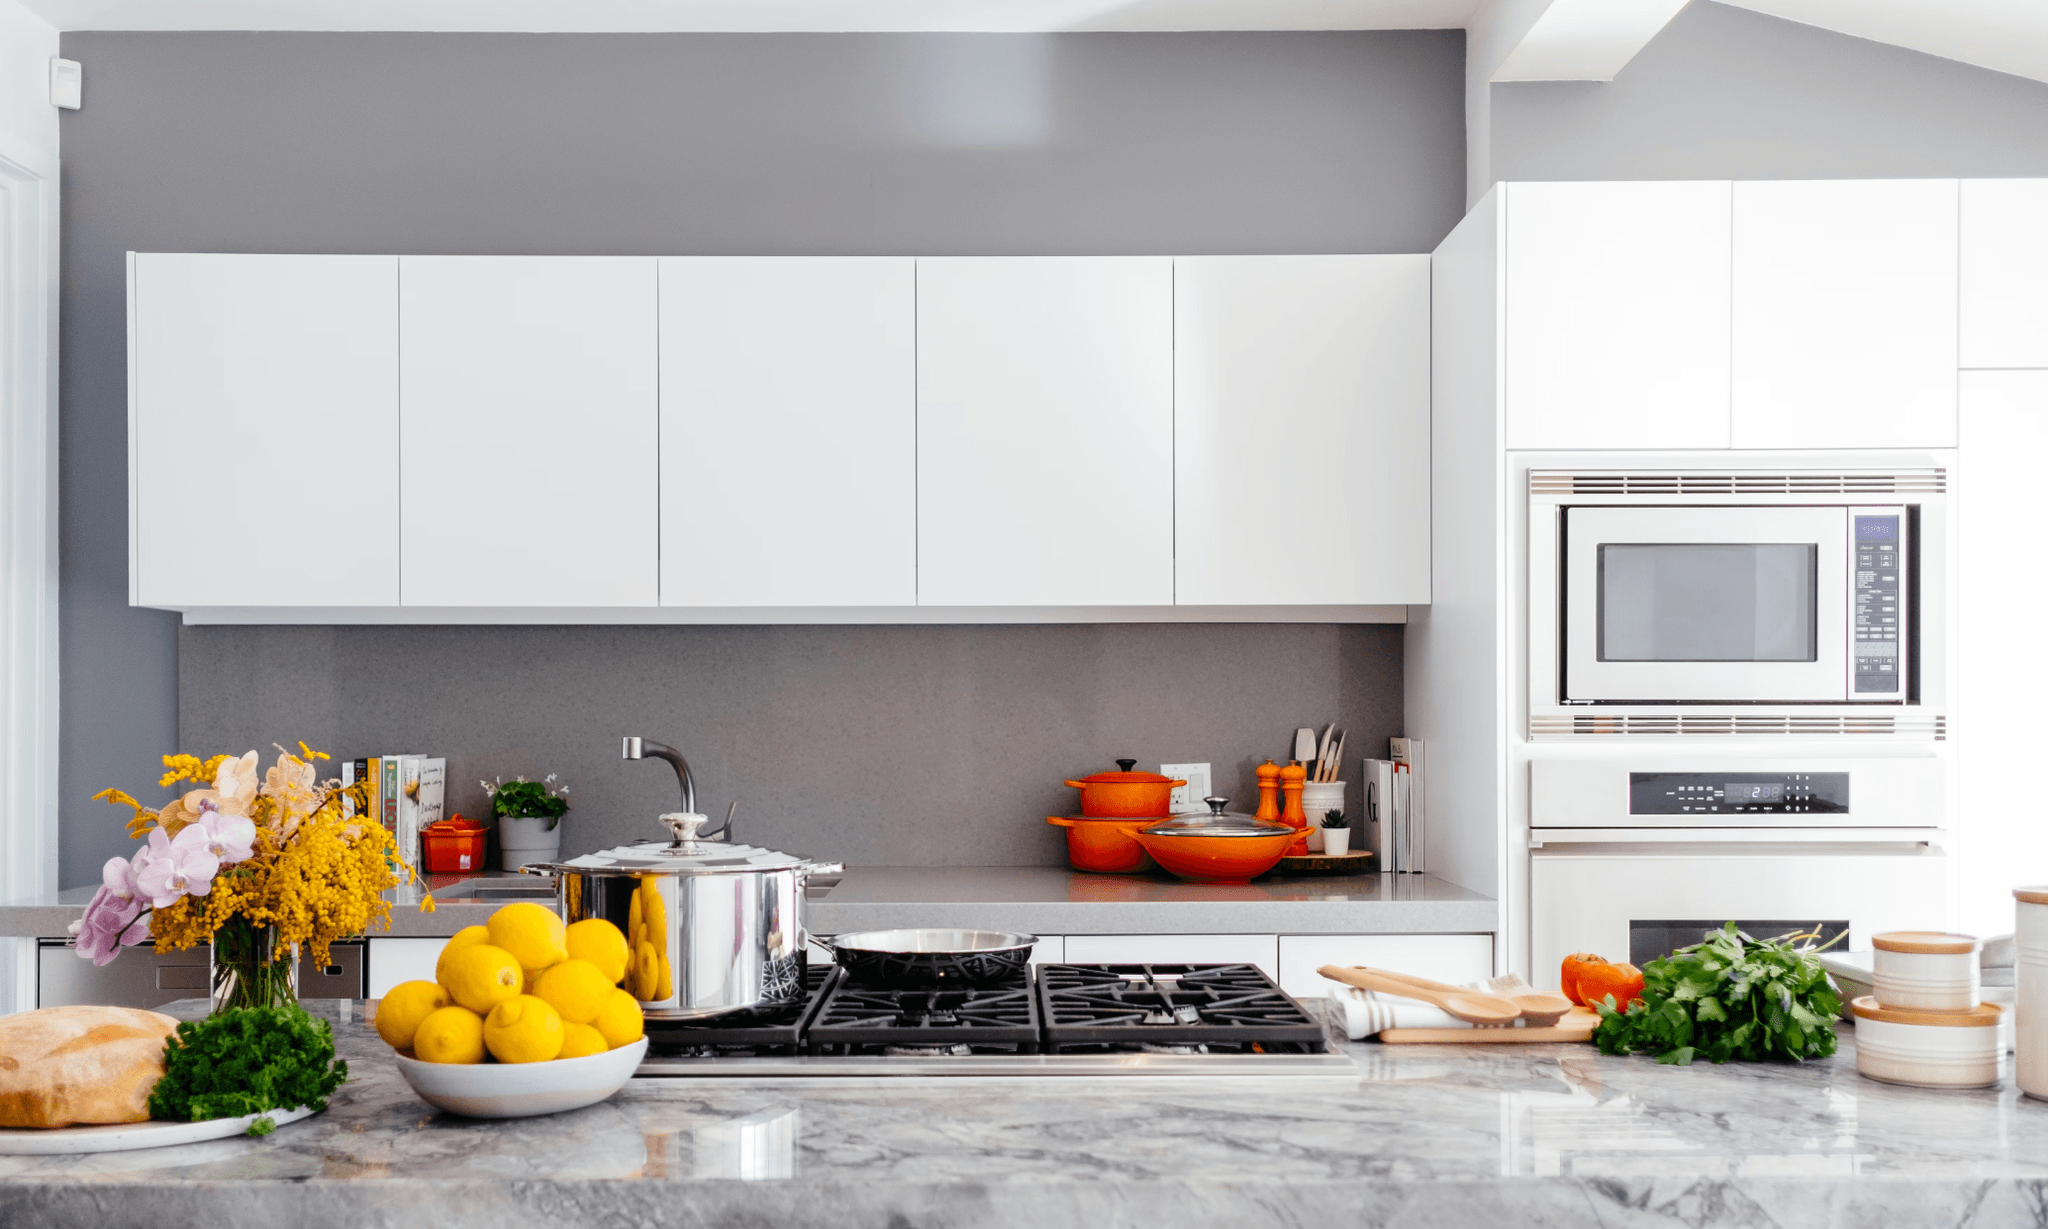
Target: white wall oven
pixel 1688 588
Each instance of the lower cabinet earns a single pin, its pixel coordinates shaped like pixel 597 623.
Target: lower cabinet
pixel 143 977
pixel 400 960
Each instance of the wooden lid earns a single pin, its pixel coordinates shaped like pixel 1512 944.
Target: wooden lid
pixel 2037 895
pixel 1985 1015
pixel 1924 942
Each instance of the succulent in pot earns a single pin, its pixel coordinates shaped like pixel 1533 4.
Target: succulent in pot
pixel 1336 834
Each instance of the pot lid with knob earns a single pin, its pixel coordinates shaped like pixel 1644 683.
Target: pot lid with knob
pixel 1218 822
pixel 1127 777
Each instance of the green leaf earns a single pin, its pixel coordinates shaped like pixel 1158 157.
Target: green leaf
pixel 245 1062
pixel 1680 1057
pixel 261 1127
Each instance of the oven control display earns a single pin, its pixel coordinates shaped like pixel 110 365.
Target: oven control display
pixel 1878 564
pixel 1738 793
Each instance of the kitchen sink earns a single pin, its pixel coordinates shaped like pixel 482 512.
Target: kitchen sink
pixel 485 889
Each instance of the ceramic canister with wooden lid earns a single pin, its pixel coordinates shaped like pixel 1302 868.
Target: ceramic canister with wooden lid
pixel 1925 970
pixel 1927 1049
pixel 2030 998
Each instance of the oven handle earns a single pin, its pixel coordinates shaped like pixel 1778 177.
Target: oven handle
pixel 1539 837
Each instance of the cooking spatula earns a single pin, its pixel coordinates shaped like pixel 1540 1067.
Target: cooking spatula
pixel 1468 1005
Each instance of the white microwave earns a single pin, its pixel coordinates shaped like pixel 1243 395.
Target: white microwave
pixel 1730 595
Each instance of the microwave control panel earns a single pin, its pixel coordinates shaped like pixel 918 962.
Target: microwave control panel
pixel 1738 793
pixel 1878 566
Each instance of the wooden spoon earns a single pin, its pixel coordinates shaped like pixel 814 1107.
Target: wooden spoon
pixel 1540 1008
pixel 1467 1005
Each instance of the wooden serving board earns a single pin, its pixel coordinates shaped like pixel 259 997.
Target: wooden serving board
pixel 1352 862
pixel 1578 1025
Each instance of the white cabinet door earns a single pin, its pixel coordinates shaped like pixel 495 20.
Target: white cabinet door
pixel 788 431
pixel 529 431
pixel 1260 950
pixel 2004 273
pixel 1301 414
pixel 1845 314
pixel 1456 959
pixel 1045 431
pixel 2000 840
pixel 263 430
pixel 1617 315
pixel 393 961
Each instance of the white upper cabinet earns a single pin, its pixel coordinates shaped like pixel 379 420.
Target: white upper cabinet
pixel 788 431
pixel 1301 416
pixel 2005 273
pixel 1845 314
pixel 263 430
pixel 1616 329
pixel 1045 431
pixel 530 431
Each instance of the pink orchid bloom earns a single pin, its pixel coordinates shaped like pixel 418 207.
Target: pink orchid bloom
pixel 180 866
pixel 111 918
pixel 229 838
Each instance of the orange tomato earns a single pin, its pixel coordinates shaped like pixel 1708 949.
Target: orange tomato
pixel 1623 981
pixel 1575 966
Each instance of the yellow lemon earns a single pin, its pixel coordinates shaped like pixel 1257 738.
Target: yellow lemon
pixel 599 942
pixel 581 1041
pixel 450 1035
pixel 654 920
pixel 633 923
pixel 646 968
pixel 664 984
pixel 465 937
pixel 531 933
pixel 481 976
pixel 399 1015
pixel 523 1030
pixel 576 989
pixel 620 1022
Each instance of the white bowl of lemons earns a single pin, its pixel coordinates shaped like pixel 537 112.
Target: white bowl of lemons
pixel 524 1016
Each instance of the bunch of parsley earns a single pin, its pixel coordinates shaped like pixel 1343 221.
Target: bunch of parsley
pixel 245 1062
pixel 1729 997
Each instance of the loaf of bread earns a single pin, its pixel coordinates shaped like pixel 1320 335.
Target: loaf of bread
pixel 68 1066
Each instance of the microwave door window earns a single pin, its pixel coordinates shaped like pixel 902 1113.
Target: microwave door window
pixel 1707 601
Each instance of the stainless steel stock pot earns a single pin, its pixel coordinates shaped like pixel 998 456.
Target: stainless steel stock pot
pixel 713 927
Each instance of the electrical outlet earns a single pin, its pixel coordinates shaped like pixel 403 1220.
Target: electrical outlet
pixel 1187 797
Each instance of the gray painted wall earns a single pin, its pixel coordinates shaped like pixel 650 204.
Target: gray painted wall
pixel 828 144
pixel 1726 93
pixel 874 745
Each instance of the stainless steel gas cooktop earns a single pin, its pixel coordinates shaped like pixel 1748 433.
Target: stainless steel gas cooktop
pixel 1056 1019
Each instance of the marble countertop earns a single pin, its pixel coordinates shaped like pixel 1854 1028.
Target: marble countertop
pixel 1050 900
pixel 1420 1136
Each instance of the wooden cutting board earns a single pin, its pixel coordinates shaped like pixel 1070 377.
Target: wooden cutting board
pixel 1577 1025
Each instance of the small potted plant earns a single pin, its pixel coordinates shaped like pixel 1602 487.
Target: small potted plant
pixel 1336 835
pixel 529 817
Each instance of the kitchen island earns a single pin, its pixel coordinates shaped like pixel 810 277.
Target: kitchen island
pixel 1475 1136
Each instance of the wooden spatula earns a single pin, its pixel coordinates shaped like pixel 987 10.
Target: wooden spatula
pixel 1468 1005
pixel 1540 1008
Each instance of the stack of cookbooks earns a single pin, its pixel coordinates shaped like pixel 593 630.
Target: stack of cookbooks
pixel 406 793
pixel 1396 814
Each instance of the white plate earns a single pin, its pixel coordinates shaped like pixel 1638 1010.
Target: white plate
pixel 522 1090
pixel 122 1137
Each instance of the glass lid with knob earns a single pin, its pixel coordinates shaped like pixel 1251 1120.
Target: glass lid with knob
pixel 1218 822
pixel 685 854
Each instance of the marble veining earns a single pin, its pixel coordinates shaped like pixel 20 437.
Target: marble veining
pixel 1423 1136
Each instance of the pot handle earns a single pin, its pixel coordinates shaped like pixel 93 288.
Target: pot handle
pixel 808 869
pixel 1062 821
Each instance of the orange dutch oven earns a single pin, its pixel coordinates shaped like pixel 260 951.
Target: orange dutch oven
pixel 1126 794
pixel 1106 846
pixel 1217 848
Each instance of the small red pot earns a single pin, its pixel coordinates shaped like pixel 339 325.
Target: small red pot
pixel 1126 794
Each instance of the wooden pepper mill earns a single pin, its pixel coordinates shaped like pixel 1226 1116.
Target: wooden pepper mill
pixel 1292 778
pixel 1269 791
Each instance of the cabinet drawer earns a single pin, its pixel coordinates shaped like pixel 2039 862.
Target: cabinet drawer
pixel 400 960
pixel 138 977
pixel 1456 959
pixel 1175 949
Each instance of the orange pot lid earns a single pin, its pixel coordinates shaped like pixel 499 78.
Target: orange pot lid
pixel 1984 1015
pixel 1924 942
pixel 1127 777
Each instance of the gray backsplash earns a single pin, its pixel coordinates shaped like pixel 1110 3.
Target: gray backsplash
pixel 902 745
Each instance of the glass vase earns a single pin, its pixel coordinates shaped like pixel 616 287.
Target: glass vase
pixel 246 970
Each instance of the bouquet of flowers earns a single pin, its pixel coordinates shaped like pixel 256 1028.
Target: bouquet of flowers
pixel 259 868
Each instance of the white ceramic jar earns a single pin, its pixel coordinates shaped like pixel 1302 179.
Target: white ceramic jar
pixel 1927 1049
pixel 1925 970
pixel 2030 991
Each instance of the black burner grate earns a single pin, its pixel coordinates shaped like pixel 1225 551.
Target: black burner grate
pixel 761 1030
pixel 862 1019
pixel 1223 1007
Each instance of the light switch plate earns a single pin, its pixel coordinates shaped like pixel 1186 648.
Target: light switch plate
pixel 1187 798
pixel 67 83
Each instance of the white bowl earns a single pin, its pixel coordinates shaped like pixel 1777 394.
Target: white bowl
pixel 522 1090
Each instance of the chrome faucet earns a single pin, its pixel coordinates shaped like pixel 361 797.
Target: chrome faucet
pixel 642 748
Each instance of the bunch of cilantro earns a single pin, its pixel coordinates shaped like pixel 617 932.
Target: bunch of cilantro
pixel 244 1062
pixel 1729 997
